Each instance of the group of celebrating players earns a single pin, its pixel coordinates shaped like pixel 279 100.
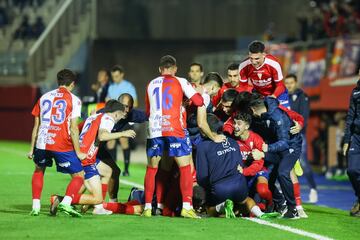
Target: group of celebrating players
pixel 213 148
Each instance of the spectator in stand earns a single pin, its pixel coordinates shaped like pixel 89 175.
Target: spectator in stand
pixel 24 30
pixel 37 28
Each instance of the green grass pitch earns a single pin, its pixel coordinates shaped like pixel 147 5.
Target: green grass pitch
pixel 15 205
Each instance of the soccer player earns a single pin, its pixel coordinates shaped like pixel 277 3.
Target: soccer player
pixel 299 102
pixel 167 135
pixel 352 145
pixel 219 170
pixel 250 145
pixel 224 109
pixel 55 135
pixel 196 73
pixel 264 72
pixel 98 128
pixel 285 149
pixel 233 83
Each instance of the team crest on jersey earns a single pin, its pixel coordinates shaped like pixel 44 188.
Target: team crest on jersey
pixel 294 97
pixel 259 75
pixel 226 144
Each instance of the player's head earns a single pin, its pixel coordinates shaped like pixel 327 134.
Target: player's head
pixel 233 74
pixel 257 53
pixel 227 99
pixel 103 76
pixel 66 78
pixel 115 109
pixel 212 83
pixel 196 72
pixel 241 102
pixel 117 73
pixel 257 105
pixel 127 101
pixel 242 122
pixel 214 123
pixel 291 82
pixel 168 65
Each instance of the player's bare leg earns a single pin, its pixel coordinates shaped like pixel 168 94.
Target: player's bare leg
pixel 256 211
pixel 262 188
pixel 161 179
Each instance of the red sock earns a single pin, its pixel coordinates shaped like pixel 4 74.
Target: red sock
pixel 297 194
pixel 161 179
pixel 149 183
pixel 115 207
pixel 76 198
pixel 129 209
pixel 186 183
pixel 264 192
pixel 37 184
pixel 104 188
pixel 74 187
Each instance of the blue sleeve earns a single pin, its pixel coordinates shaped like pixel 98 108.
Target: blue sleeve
pixel 282 132
pixel 202 171
pixel 137 116
pixel 349 119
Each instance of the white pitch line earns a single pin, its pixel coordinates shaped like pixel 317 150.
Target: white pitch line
pixel 289 229
pixel 129 183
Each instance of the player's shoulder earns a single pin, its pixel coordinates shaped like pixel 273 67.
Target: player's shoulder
pixel 271 60
pixel 106 117
pixel 255 136
pixel 244 64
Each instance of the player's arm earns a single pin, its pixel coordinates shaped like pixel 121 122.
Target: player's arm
pixel 34 134
pixel 190 92
pixel 105 135
pixel 228 128
pixel 243 74
pixel 296 118
pixel 282 134
pixel 277 78
pixel 204 126
pixel 74 134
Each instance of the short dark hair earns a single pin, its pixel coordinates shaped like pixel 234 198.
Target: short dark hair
pixel 245 117
pixel 128 96
pixel 229 95
pixel 256 47
pixel 104 70
pixel 65 77
pixel 117 68
pixel 167 61
pixel 241 102
pixel 113 106
pixel 213 77
pixel 256 100
pixel 292 76
pixel 214 123
pixel 197 64
pixel 233 66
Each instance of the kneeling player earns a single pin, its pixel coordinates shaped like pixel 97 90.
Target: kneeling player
pixel 250 145
pixel 219 170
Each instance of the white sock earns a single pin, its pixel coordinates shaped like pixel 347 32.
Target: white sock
pixel 220 207
pixel 36 204
pixel 99 206
pixel 256 211
pixel 113 200
pixel 67 200
pixel 147 206
pixel 186 205
pixel 160 205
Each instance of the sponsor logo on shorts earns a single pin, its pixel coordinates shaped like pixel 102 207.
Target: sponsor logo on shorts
pixel 175 145
pixel 64 164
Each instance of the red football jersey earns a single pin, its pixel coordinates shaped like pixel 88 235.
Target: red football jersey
pixel 265 79
pixel 55 110
pixel 164 106
pixel 88 138
pixel 254 141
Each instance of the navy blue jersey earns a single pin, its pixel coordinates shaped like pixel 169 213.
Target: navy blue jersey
pixel 217 161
